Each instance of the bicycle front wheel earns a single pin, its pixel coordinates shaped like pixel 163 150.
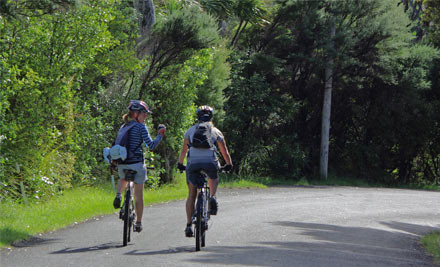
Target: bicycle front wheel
pixel 126 218
pixel 199 221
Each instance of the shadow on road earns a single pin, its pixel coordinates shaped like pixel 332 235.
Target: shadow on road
pixel 7 235
pixel 331 245
pixel 88 249
pixel 161 252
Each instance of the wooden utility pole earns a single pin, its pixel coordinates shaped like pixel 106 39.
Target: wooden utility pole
pixel 326 106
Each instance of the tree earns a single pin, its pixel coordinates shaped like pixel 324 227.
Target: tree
pixel 220 9
pixel 175 39
pixel 247 11
pixel 33 8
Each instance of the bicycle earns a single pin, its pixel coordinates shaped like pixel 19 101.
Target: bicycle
pixel 201 215
pixel 127 212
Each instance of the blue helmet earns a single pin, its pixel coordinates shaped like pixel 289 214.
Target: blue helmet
pixel 204 113
pixel 138 105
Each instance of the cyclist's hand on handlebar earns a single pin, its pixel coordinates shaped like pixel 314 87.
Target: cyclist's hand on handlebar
pixel 181 167
pixel 227 168
pixel 161 129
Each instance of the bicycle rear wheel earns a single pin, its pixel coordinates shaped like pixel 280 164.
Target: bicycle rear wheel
pixel 126 218
pixel 199 221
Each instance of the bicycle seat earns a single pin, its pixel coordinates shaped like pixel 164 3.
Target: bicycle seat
pixel 129 174
pixel 201 180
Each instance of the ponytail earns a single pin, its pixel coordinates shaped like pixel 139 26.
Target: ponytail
pixel 127 118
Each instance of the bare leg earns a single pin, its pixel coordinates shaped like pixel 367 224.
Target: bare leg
pixel 139 201
pixel 121 185
pixel 190 202
pixel 213 183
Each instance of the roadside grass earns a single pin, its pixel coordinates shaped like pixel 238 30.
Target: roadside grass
pixel 431 242
pixel 262 182
pixel 229 181
pixel 20 222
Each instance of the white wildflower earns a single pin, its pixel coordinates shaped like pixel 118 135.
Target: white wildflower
pixel 46 180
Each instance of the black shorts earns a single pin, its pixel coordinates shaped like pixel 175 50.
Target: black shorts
pixel 193 171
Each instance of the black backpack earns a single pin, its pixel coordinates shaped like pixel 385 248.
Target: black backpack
pixel 202 137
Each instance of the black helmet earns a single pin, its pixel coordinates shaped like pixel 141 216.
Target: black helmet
pixel 138 105
pixel 204 113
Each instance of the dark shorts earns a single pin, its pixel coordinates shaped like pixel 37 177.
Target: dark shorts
pixel 193 171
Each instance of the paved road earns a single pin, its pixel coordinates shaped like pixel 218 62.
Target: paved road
pixel 283 226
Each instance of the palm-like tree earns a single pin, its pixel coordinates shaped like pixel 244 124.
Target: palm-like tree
pixel 247 11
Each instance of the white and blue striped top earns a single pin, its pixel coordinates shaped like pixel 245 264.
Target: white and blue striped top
pixel 137 135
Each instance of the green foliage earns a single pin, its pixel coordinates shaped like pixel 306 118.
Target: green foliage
pixel 174 39
pixel 173 95
pixel 33 8
pixel 389 114
pixel 211 91
pixel 47 64
pixel 431 18
pixel 382 119
pixel 261 112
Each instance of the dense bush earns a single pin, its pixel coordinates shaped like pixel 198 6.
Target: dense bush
pixel 51 129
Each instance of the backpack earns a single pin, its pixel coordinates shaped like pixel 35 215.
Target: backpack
pixel 202 137
pixel 118 152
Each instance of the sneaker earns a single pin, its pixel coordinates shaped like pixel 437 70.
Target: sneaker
pixel 138 227
pixel 188 231
pixel 213 206
pixel 117 203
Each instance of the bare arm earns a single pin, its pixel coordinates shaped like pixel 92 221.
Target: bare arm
pixel 184 150
pixel 224 150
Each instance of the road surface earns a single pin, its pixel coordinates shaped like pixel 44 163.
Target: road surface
pixel 279 226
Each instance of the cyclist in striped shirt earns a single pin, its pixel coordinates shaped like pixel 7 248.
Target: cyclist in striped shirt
pixel 137 135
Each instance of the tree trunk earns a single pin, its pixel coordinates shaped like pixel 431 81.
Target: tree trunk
pixel 147 16
pixel 236 33
pixel 326 107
